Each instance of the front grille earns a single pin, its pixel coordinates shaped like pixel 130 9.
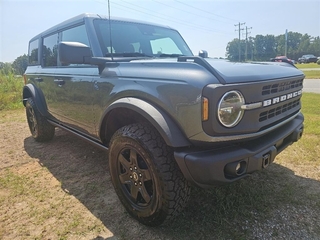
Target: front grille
pixel 278 110
pixel 280 87
pixel 280 99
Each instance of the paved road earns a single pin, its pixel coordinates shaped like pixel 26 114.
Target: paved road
pixel 311 85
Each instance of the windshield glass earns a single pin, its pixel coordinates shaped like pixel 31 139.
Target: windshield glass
pixel 135 39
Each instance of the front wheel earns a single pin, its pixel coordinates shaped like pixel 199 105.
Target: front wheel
pixel 145 175
pixel 40 128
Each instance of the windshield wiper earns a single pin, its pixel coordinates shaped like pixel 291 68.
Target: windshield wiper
pixel 133 54
pixel 174 55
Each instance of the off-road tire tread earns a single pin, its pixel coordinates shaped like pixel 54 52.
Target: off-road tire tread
pixel 175 187
pixel 45 129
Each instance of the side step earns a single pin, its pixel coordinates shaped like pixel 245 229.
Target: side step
pixel 86 138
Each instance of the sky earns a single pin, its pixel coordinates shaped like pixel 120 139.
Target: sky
pixel 204 24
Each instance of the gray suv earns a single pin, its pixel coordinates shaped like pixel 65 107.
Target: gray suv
pixel 167 118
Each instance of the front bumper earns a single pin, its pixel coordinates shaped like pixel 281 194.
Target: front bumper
pixel 211 167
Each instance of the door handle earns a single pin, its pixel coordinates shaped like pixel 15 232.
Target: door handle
pixel 59 82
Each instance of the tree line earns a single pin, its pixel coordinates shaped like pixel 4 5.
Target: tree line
pixel 18 66
pixel 262 48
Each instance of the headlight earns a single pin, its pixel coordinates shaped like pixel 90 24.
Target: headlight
pixel 229 109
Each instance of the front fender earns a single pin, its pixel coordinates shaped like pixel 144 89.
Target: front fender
pixel 168 129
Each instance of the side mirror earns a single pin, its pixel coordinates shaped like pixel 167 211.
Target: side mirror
pixel 74 53
pixel 203 53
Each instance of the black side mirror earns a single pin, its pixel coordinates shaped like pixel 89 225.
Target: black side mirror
pixel 74 53
pixel 203 53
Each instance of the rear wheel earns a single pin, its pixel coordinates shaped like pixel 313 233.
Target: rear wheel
pixel 145 175
pixel 40 128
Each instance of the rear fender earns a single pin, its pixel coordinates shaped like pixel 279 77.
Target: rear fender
pixel 36 94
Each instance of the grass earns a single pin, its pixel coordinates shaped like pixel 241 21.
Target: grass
pixel 307 65
pixel 10 91
pixel 311 112
pixel 28 191
pixel 310 74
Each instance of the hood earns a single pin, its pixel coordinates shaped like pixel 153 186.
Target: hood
pixel 232 72
pixel 225 72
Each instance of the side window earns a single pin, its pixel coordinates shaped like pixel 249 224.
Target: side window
pixel 50 50
pixel 76 34
pixel 33 52
pixel 164 45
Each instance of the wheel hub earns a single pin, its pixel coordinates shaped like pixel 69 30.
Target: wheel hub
pixel 135 176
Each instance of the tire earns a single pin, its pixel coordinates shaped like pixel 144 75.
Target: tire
pixel 40 128
pixel 146 176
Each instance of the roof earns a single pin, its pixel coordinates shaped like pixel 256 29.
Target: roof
pixel 81 18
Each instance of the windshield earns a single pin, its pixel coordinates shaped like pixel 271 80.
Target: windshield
pixel 135 39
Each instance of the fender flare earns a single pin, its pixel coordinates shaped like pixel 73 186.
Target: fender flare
pixel 31 90
pixel 168 129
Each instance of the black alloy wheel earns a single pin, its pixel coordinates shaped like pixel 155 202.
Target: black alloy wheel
pixel 145 175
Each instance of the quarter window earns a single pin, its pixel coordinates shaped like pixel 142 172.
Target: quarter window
pixel 33 52
pixel 50 50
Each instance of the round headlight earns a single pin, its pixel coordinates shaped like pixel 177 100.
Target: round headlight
pixel 229 108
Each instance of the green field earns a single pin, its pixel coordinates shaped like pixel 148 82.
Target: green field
pixel 312 74
pixel 307 65
pixel 10 91
pixel 310 70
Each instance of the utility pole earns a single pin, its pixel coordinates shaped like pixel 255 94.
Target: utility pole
pixel 239 29
pixel 286 43
pixel 251 49
pixel 245 56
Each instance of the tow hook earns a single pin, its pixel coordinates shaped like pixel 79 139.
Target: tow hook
pixel 266 160
pixel 297 134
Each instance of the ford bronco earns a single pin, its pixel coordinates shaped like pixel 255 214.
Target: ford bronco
pixel 167 118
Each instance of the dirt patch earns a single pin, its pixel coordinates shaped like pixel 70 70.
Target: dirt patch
pixel 62 190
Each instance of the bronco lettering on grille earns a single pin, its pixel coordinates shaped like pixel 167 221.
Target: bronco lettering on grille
pixel 282 98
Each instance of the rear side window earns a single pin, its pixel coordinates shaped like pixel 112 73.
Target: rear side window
pixel 50 44
pixel 50 51
pixel 33 52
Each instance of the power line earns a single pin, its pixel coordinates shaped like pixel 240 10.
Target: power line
pixel 181 22
pixel 182 10
pixel 246 52
pixel 205 11
pixel 175 19
pixel 240 29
